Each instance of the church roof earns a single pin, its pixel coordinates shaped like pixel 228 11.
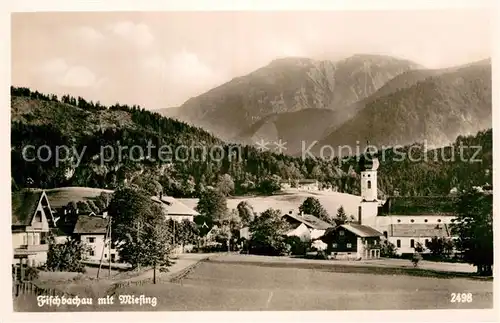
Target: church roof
pixel 419 230
pixel 418 205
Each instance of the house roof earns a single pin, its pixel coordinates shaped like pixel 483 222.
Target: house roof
pixel 418 205
pixel 174 207
pixel 91 224
pixel 61 196
pixel 24 204
pixel 419 230
pixel 307 181
pixel 361 230
pixel 310 221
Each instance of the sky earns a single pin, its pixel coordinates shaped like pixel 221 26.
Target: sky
pixel 161 59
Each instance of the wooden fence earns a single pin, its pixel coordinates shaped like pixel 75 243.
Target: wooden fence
pixel 20 288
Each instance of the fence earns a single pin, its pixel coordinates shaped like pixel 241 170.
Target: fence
pixel 20 288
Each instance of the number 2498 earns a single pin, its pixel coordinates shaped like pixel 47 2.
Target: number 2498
pixel 461 298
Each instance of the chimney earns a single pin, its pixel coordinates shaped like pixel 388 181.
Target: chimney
pixel 359 214
pixel 301 213
pixel 161 195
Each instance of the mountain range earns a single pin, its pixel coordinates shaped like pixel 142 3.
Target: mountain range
pixel 364 98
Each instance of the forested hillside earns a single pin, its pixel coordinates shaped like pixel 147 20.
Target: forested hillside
pixel 93 131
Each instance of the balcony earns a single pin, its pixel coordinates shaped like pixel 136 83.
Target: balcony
pixel 37 247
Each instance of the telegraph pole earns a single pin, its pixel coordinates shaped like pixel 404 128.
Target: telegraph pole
pixel 109 247
pixel 108 231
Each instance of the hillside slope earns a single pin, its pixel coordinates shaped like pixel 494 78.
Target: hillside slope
pixel 434 110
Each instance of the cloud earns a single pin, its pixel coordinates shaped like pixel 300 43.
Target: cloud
pixel 138 34
pixel 87 33
pixel 184 71
pixel 58 71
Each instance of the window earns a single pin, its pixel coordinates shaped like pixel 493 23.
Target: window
pixel 369 184
pixel 334 245
pixel 38 216
pixel 92 253
pixel 349 245
pixel 426 242
pixel 412 220
pixel 368 175
pixel 105 255
pixel 412 243
pixel 113 257
pixel 399 221
pixel 439 220
pixel 91 240
pixel 425 220
pixel 385 234
pixel 398 243
pixel 25 239
pixel 375 242
pixel 341 233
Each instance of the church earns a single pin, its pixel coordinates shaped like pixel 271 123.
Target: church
pixel 403 221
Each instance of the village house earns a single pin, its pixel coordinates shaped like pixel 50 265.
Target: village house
pixel 353 241
pixel 174 209
pixel 91 230
pixel 32 220
pixel 306 226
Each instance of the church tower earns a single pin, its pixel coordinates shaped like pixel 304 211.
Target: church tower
pixel 368 208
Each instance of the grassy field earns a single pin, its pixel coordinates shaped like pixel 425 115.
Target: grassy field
pixel 226 284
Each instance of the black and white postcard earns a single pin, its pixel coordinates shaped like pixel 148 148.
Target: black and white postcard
pixel 266 161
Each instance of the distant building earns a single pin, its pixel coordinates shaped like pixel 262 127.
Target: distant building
pixel 301 184
pixel 32 220
pixel 174 209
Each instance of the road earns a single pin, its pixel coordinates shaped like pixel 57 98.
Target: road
pixel 226 284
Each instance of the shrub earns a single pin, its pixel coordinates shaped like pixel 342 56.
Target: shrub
pixel 416 259
pixel 31 273
pixel 387 249
pixel 297 246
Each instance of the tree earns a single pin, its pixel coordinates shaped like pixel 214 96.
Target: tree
pixel 419 247
pixel 246 213
pixel 270 184
pixel 387 249
pixel 440 246
pixel 268 233
pixel 474 228
pixel 312 206
pixel 83 207
pixel 341 216
pixel 225 184
pixel 67 256
pixel 212 204
pixel 138 228
pixel 186 232
pixel 415 259
pixel 155 240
